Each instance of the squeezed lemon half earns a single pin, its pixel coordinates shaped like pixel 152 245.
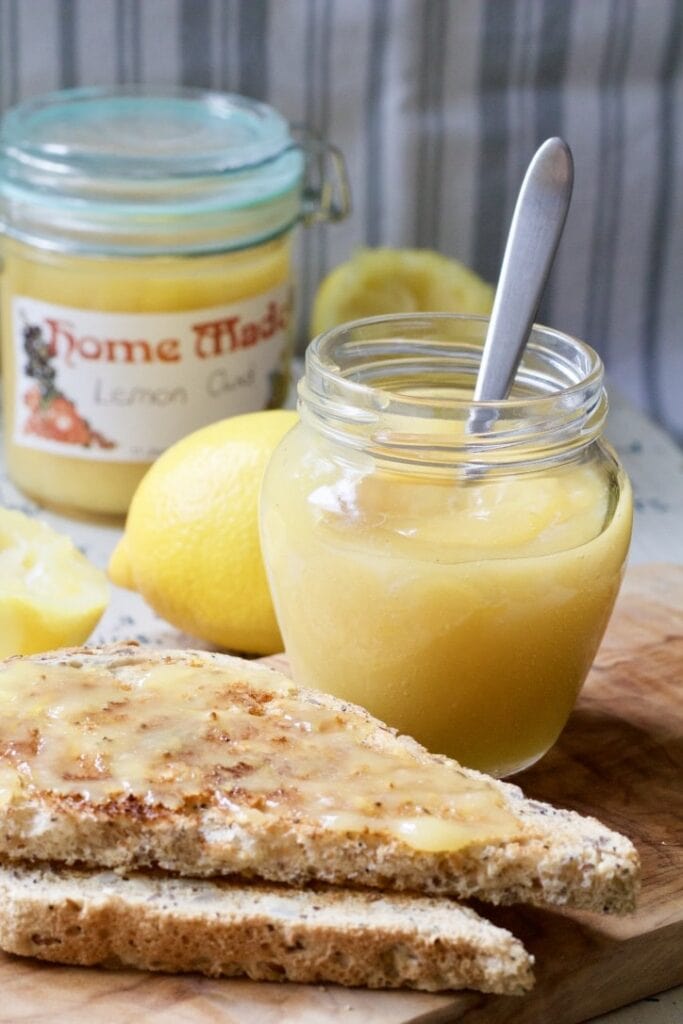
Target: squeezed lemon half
pixel 191 545
pixel 376 282
pixel 50 594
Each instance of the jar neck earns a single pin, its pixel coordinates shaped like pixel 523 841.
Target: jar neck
pixel 400 388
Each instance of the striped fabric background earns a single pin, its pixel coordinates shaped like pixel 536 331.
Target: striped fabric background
pixel 438 105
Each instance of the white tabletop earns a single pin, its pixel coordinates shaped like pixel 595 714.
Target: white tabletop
pixel 655 466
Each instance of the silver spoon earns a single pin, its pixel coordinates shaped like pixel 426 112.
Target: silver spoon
pixel 537 223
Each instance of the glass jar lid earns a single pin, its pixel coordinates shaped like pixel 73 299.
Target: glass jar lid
pixel 139 169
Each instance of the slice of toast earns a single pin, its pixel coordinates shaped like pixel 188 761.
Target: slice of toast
pixel 265 932
pixel 207 765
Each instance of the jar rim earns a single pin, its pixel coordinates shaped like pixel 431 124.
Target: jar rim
pixel 390 383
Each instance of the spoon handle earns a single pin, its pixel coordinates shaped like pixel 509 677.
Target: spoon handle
pixel 537 223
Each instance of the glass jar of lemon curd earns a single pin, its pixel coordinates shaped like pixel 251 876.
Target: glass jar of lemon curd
pixel 456 584
pixel 147 280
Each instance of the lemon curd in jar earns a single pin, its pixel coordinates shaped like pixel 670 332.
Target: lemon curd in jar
pixel 61 473
pixel 457 585
pixel 147 282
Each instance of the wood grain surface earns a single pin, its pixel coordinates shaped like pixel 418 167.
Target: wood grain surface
pixel 620 758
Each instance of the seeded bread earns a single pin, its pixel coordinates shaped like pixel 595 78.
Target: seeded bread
pixel 263 932
pixel 551 857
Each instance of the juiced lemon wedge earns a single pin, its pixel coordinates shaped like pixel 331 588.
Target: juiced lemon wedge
pixel 376 282
pixel 50 594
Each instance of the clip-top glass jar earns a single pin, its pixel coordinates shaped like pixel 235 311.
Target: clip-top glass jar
pixel 457 584
pixel 146 287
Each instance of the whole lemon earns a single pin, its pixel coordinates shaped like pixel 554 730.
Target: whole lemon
pixel 191 544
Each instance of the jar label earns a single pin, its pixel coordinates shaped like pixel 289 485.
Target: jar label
pixel 122 387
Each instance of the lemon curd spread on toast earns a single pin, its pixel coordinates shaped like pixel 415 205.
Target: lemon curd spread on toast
pixel 177 731
pixel 207 765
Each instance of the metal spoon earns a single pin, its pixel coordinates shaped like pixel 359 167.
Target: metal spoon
pixel 537 223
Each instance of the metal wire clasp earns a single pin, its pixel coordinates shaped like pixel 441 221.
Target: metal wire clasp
pixel 326 194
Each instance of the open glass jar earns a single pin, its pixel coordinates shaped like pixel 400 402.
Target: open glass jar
pixel 456 584
pixel 147 280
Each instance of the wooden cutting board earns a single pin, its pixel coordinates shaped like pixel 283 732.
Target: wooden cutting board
pixel 620 758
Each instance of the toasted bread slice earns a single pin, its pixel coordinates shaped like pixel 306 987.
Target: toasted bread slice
pixel 206 765
pixel 264 932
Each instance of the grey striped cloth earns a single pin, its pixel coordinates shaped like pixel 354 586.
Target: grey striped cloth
pixel 438 105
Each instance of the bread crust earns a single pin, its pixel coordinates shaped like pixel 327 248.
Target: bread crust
pixel 558 857
pixel 266 933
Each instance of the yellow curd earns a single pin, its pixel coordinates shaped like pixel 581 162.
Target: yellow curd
pixel 456 586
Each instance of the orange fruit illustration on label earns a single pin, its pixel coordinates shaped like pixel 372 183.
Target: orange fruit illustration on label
pixel 52 415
